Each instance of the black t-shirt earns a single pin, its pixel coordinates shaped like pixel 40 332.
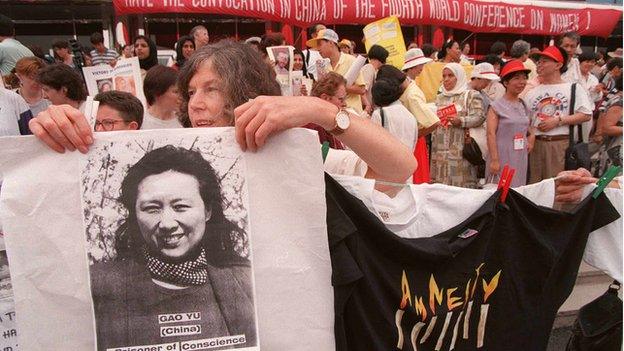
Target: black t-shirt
pixel 494 282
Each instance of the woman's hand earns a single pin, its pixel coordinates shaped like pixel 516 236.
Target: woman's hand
pixel 62 127
pixel 263 116
pixel 569 185
pixel 455 120
pixel 494 167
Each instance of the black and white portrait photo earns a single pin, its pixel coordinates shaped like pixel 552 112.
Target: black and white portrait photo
pixel 169 245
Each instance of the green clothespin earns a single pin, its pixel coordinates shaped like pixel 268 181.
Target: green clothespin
pixel 325 150
pixel 606 178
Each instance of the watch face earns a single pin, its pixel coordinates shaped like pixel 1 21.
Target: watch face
pixel 342 120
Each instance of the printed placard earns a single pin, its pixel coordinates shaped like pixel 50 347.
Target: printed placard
pixel 125 76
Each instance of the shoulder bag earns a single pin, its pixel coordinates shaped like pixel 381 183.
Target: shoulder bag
pixel 577 153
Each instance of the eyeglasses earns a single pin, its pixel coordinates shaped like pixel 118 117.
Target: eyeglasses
pixel 107 124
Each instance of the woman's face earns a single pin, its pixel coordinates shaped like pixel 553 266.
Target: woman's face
pixel 587 66
pixel 454 53
pixel 517 83
pixel 170 97
pixel 29 83
pixel 188 49
pixel 62 53
pixel 171 213
pixel 297 62
pixel 448 79
pixel 56 97
pixel 128 51
pixel 141 49
pixel 207 100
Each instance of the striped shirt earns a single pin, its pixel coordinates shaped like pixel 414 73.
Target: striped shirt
pixel 103 59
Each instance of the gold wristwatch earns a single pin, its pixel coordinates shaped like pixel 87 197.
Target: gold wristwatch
pixel 343 121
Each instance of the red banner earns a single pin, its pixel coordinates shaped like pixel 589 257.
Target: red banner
pixel 472 15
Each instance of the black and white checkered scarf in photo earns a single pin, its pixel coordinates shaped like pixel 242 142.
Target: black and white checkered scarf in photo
pixel 185 273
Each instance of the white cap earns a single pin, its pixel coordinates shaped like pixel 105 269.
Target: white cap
pixel 326 34
pixel 413 58
pixel 484 70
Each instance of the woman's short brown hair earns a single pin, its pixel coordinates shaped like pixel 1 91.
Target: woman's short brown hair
pixel 29 66
pixel 60 75
pixel 157 81
pixel 244 75
pixel 329 84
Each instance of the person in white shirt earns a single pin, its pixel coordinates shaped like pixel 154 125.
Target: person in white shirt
pixel 569 42
pixel 549 104
pixel 587 62
pixel 377 56
pixel 11 50
pixel 312 55
pixel 14 114
pixel 391 114
pixel 161 94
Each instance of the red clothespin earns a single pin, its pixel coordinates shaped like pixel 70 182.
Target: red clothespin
pixel 505 182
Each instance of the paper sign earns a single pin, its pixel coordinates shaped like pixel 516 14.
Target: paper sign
pixel 282 56
pixel 77 266
pixel 125 76
pixel 445 112
pixel 387 33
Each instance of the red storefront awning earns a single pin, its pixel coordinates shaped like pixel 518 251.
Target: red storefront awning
pixel 522 17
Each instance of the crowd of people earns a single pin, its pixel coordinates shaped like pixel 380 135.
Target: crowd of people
pixel 515 107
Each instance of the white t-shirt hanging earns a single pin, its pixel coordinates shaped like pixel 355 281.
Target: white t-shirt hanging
pixel 422 210
pixel 604 249
pixel 12 108
pixel 399 122
pixel 151 122
pixel 553 101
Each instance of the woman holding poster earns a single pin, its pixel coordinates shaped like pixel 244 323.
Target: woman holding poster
pixel 459 109
pixel 176 261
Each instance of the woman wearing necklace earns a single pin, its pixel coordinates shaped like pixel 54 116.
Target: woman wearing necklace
pixel 175 256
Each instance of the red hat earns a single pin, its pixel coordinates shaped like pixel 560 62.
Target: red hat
pixel 552 52
pixel 513 66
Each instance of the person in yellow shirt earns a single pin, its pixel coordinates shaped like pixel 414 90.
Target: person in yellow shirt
pixel 326 42
pixel 413 97
pixel 520 51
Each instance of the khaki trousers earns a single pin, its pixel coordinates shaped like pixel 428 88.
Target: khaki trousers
pixel 547 159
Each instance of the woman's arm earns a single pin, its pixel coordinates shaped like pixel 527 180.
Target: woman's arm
pixel 387 158
pixel 612 116
pixel 492 127
pixel 475 116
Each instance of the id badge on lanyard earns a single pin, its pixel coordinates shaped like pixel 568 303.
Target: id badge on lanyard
pixel 518 142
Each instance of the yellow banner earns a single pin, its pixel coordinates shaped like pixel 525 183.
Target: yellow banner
pixel 387 33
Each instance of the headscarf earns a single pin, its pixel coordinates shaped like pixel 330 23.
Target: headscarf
pixel 462 82
pixel 152 59
pixel 180 60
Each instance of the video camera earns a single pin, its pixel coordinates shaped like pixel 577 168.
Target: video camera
pixel 76 48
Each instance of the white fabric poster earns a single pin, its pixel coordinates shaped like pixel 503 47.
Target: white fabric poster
pixel 80 252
